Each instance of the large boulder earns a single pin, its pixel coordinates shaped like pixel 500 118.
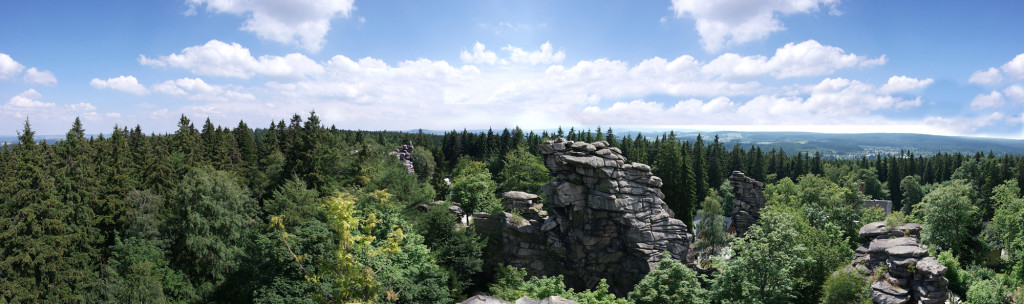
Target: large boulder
pixel 606 220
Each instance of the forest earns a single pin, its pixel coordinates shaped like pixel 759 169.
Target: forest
pixel 299 212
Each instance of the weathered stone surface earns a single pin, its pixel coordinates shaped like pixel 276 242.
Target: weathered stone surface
pixel 749 194
pixel 607 220
pixel 872 230
pixel 404 154
pixel 912 276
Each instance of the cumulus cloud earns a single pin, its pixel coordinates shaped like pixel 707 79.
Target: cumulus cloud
pixel 197 89
pixel 1015 93
pixel 990 100
pixel 28 99
pixel 298 22
pixel 29 104
pixel 1015 68
pixel 8 67
pixel 808 58
pixel 832 101
pixel 480 55
pixel 546 55
pixel 35 76
pixel 127 84
pixel 903 83
pixel 216 58
pixel 986 77
pixel 730 22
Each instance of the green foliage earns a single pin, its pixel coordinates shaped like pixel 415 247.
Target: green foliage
pixel 846 286
pixel 473 188
pixel 711 227
pixel 510 284
pixel 954 273
pixel 458 250
pixel 670 283
pixel 912 192
pixel 782 259
pixel 986 292
pixel 764 271
pixel 138 272
pixel 386 172
pixel 423 162
pixel 1008 222
pixel 522 171
pixel 213 219
pixel 823 203
pixel 949 218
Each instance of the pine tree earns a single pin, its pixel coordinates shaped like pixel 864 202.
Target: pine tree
pixel 700 170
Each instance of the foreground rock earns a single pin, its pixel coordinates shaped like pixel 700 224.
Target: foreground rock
pixel 404 154
pixel 748 202
pixel 911 275
pixel 607 220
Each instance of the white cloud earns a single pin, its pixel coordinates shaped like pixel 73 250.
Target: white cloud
pixel 480 55
pixel 1015 68
pixel 216 58
pixel 298 22
pixel 28 99
pixel 903 83
pixel 808 58
pixel 34 76
pixel 8 67
pixel 962 125
pixel 546 55
pixel 730 22
pixel 44 115
pixel 991 100
pixel 127 84
pixel 1015 93
pixel 197 89
pixel 987 77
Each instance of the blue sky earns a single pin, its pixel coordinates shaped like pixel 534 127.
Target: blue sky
pixel 937 67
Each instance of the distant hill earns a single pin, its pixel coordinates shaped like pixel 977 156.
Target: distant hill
pixel 856 145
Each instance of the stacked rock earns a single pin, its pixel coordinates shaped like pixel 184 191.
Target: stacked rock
pixel 911 275
pixel 525 204
pixel 749 199
pixel 607 220
pixel 404 154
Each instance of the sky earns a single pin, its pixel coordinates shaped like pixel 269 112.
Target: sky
pixel 934 67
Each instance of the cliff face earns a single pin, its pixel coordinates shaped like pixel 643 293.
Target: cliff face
pixel 607 220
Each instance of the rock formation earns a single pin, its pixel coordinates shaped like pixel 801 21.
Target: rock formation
pixel 749 199
pixel 910 274
pixel 607 220
pixel 404 154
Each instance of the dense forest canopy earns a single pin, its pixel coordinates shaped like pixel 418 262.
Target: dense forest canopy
pixel 297 212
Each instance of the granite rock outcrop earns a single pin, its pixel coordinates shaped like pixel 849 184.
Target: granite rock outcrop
pixel 748 202
pixel 606 220
pixel 909 274
pixel 404 154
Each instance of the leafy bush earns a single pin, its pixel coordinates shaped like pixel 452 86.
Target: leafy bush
pixel 671 282
pixel 846 285
pixel 986 292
